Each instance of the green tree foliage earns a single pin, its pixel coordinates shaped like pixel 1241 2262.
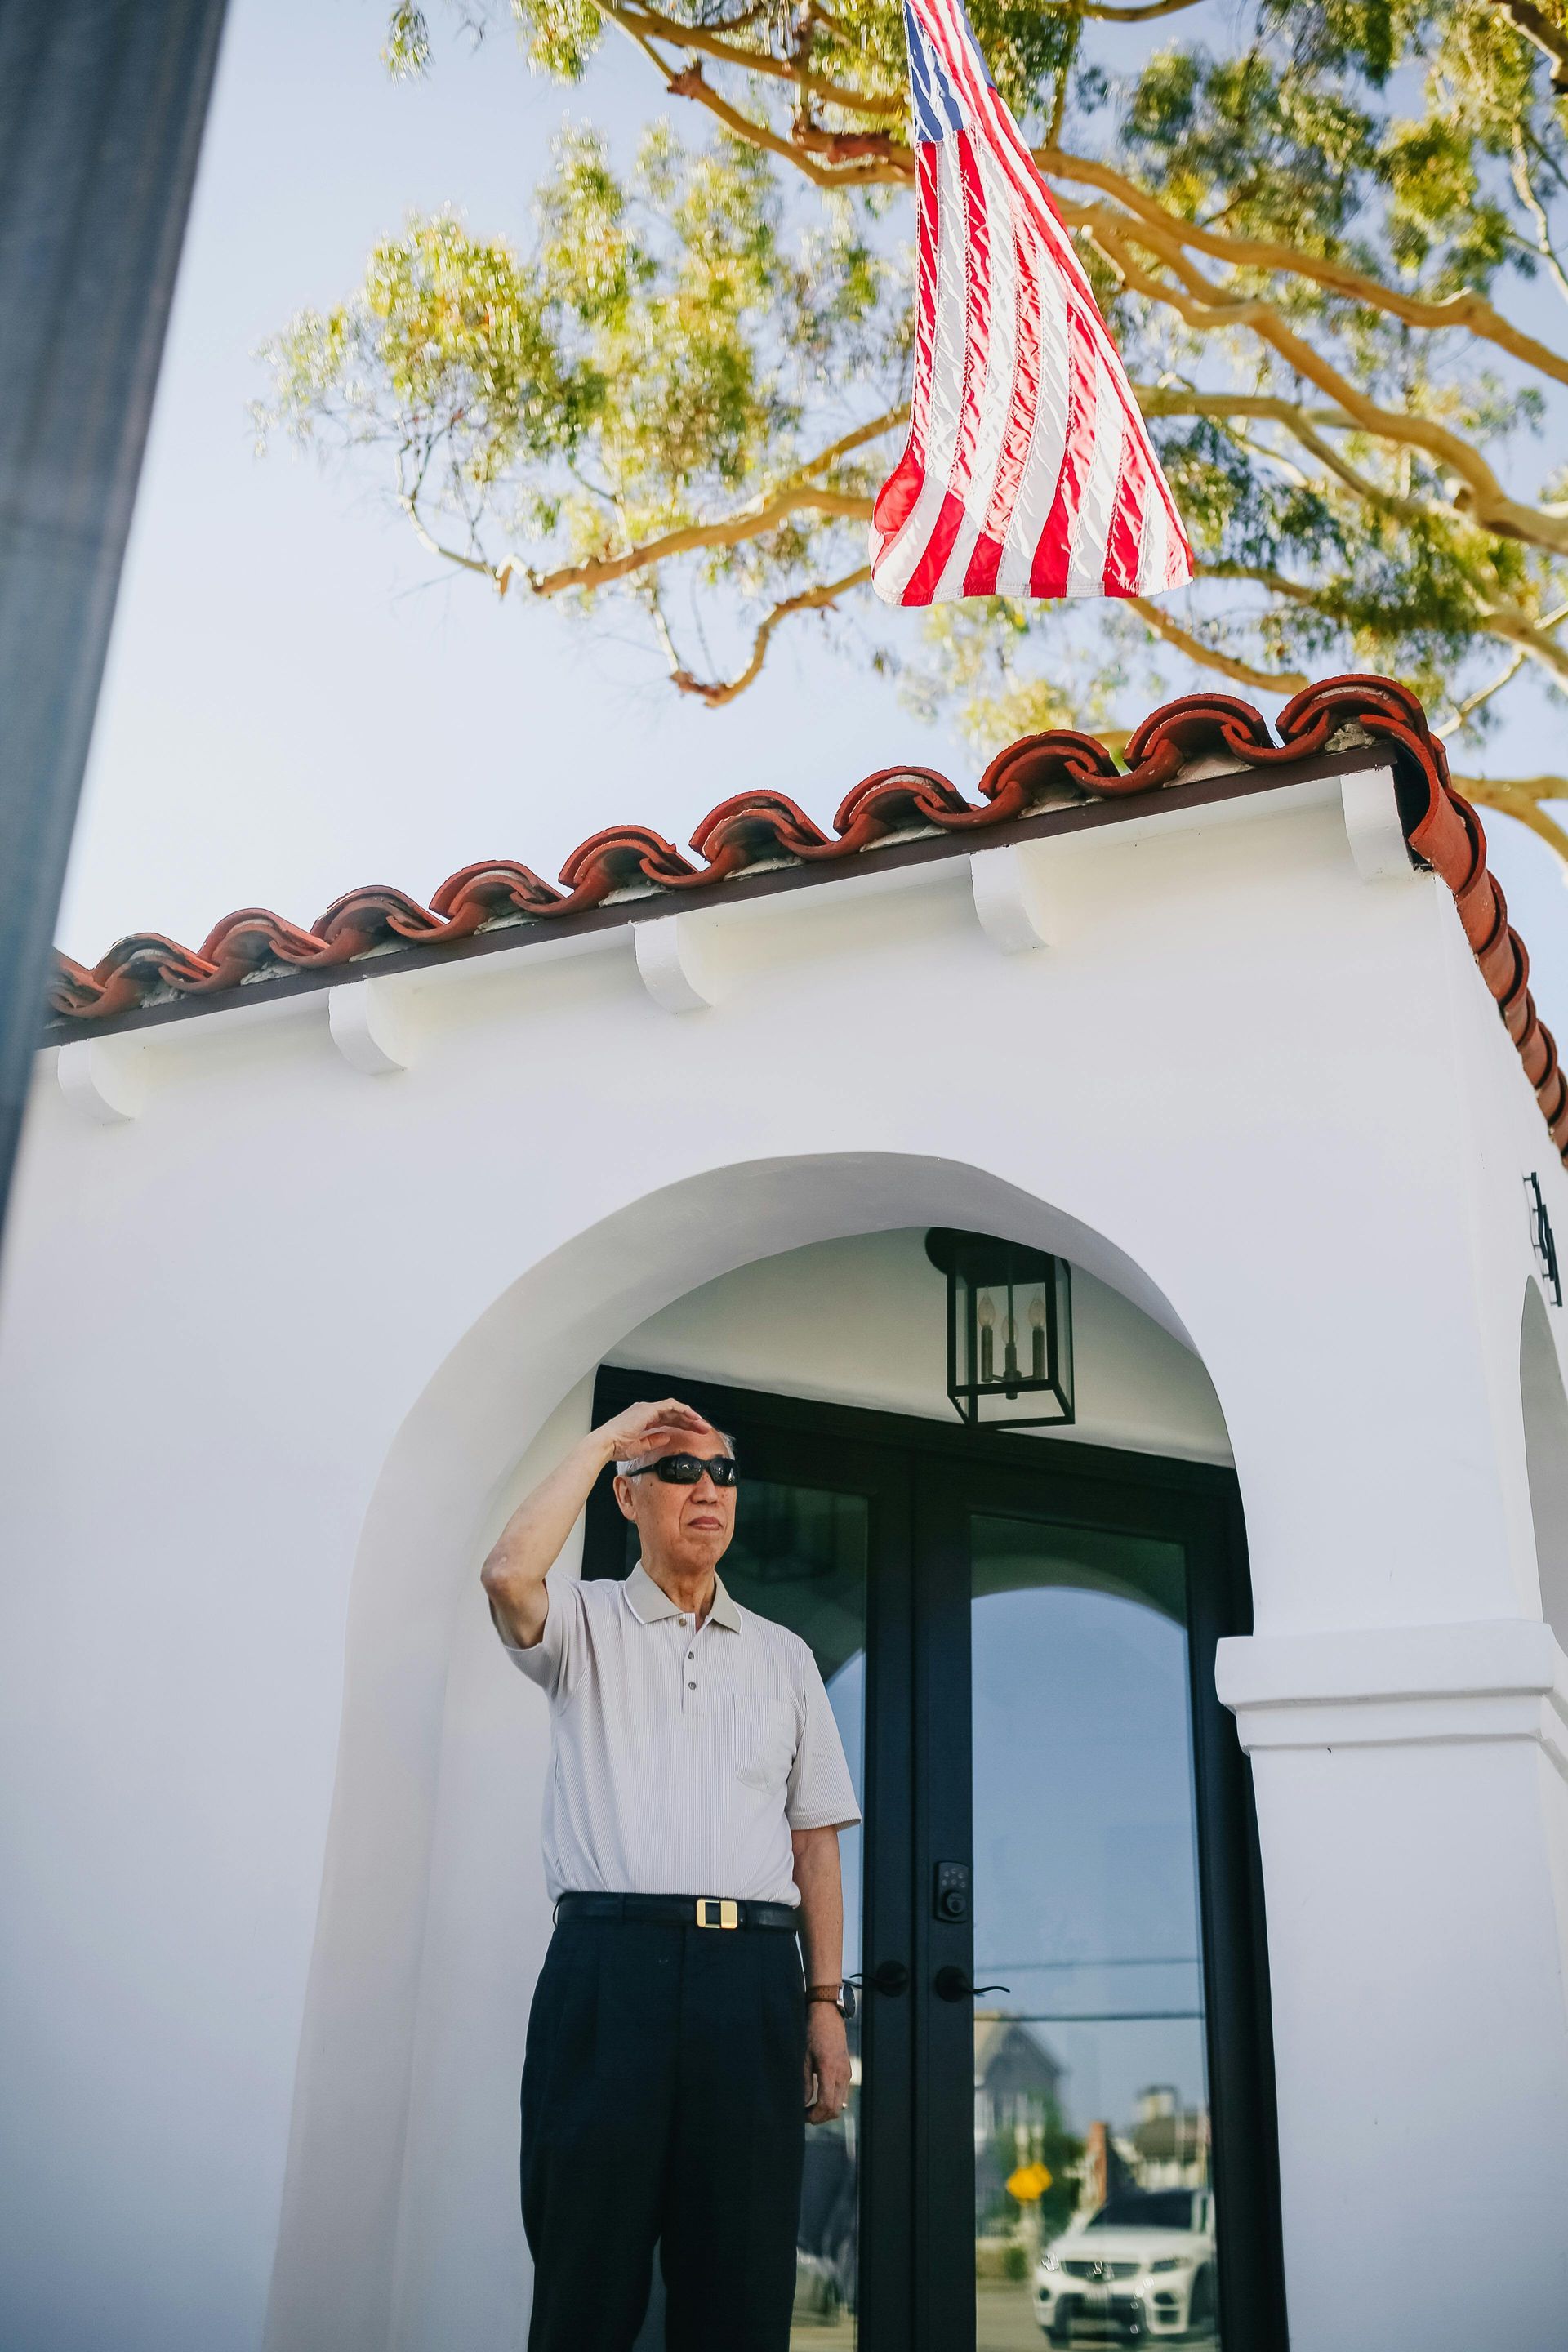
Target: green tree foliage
pixel 1325 233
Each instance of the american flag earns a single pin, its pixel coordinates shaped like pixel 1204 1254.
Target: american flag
pixel 1029 469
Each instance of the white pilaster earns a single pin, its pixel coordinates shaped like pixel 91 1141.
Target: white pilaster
pixel 1410 1797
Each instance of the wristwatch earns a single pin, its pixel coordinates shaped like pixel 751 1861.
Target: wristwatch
pixel 842 1996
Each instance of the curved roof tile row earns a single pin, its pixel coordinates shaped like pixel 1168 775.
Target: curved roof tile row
pixel 752 829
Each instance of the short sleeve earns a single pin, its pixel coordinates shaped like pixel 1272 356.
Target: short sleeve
pixel 555 1659
pixel 821 1794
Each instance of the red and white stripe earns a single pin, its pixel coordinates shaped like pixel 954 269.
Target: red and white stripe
pixel 1029 470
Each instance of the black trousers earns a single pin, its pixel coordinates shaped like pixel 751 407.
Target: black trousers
pixel 663 2102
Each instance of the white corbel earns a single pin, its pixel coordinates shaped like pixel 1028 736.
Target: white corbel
pixel 368 1026
pixel 674 963
pixel 103 1079
pixel 1373 825
pixel 1008 901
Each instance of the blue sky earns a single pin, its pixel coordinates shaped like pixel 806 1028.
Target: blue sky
pixel 297 701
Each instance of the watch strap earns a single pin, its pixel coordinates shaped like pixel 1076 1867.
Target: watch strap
pixel 842 1999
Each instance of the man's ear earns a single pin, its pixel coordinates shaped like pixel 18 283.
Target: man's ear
pixel 623 1497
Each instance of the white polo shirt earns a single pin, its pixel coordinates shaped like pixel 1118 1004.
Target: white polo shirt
pixel 681 1757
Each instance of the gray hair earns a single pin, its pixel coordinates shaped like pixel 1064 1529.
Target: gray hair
pixel 639 1461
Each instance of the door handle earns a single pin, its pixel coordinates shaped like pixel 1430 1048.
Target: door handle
pixel 892 1978
pixel 952 1984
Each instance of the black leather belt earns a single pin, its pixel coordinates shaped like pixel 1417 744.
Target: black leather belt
pixel 679 1911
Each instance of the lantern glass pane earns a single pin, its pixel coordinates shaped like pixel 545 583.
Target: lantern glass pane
pixel 1012 1337
pixel 1009 1331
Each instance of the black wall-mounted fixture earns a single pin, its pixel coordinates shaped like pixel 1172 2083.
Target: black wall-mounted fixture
pixel 1542 1238
pixel 1009 1330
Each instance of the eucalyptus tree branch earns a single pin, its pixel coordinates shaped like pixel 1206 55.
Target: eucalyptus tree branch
pixel 1532 639
pixel 1454 722
pixel 1281 681
pixel 1301 423
pixel 1188 400
pixel 1169 232
pixel 1341 468
pixel 704 41
pixel 830 159
pixel 887 162
pixel 1522 800
pixel 691 84
pixel 661 626
pixel 1208 310
pixel 1300 477
pixel 1141 14
pixel 752 522
pixel 1064 78
pixel 1353 479
pixel 858 439
pixel 841 158
pixel 1524 189
pixel 810 600
pixel 1542 34
pixel 409 502
pixel 1534 642
pixel 1294 591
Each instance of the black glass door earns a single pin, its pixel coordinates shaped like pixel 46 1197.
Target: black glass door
pixel 1061 2124
pixel 1085 1849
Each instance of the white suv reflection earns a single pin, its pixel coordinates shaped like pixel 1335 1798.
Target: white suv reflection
pixel 1143 2266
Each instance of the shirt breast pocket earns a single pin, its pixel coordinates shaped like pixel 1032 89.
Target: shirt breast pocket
pixel 764 1740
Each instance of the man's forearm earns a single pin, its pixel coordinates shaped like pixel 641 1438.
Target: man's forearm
pixel 828 2067
pixel 821 1884
pixel 531 1543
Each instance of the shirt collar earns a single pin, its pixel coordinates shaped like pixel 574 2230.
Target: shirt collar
pixel 649 1602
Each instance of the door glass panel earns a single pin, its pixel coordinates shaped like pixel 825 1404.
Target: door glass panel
pixel 1093 2214
pixel 799 1557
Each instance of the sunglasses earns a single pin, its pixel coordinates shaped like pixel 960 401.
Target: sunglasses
pixel 686 1469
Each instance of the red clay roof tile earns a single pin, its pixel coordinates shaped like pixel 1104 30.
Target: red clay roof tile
pixel 1040 772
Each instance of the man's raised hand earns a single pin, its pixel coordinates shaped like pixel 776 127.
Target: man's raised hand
pixel 530 1544
pixel 644 1430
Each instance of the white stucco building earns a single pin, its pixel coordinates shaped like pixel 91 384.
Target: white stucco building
pixel 323 1243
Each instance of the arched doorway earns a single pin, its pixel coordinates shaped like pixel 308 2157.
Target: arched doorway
pixel 1051 1907
pixel 427 1943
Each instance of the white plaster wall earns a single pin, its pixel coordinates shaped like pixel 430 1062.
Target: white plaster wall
pixel 463 2274
pixel 271 1352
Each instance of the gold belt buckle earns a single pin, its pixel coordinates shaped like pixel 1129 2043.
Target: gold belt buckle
pixel 729 1913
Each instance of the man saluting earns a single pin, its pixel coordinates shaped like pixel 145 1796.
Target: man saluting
pixel 692 1817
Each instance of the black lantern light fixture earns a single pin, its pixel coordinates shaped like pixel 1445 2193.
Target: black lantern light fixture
pixel 1009 1330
